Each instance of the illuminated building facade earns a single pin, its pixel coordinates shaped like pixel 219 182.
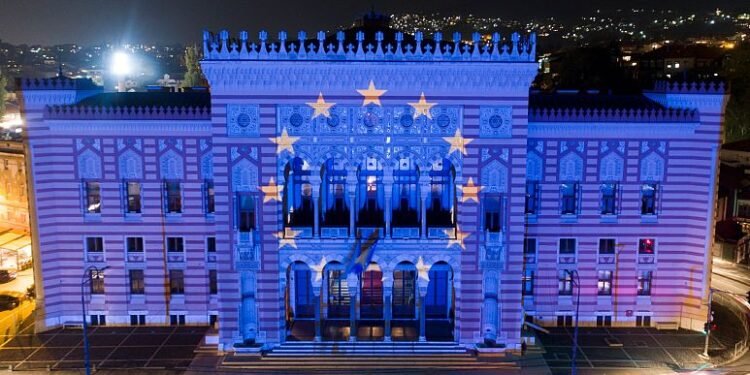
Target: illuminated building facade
pixel 241 207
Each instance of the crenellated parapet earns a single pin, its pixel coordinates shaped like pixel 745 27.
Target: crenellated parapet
pixel 670 115
pixel 56 83
pixel 223 47
pixel 703 87
pixel 130 113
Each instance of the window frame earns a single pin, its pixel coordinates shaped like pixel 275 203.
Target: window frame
pixel 96 282
pixel 87 197
pixel 532 197
pixel 614 186
pixel 564 283
pixel 137 287
pixel 576 186
pixel 177 241
pixel 136 240
pixel 654 208
pixel 574 241
pixel 527 282
pixel 176 285
pixel 604 284
pixel 209 196
pixel 167 206
pixel 127 208
pixel 500 225
pixel 643 242
pixel 608 252
pixel 644 284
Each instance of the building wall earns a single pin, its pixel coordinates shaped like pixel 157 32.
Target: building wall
pixel 14 208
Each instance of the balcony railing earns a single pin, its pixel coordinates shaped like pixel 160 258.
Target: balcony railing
pixel 441 232
pixel 403 233
pixel 334 232
pixel 95 257
pixel 135 257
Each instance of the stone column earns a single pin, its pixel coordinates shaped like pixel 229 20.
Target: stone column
pixel 388 194
pixel 352 282
pixel 387 304
pixel 317 280
pixel 424 195
pixel 315 182
pixel 249 317
pixel 422 283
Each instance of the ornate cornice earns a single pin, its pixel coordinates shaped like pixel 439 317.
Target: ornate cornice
pixel 129 127
pixel 610 129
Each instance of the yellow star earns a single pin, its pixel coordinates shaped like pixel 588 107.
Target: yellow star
pixel 458 143
pixel 318 269
pixel 460 237
pixel 271 191
pixel 321 107
pixel 284 142
pixel 422 107
pixel 423 270
pixel 471 191
pixel 287 239
pixel 372 95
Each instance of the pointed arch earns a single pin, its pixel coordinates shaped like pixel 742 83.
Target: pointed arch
pixel 130 165
pixel 652 167
pixel 171 166
pixel 571 167
pixel 207 166
pixel 244 176
pixel 534 167
pixel 89 165
pixel 611 167
pixel 495 177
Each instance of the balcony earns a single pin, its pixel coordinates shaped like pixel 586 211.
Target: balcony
pixel 566 258
pixel 606 258
pixel 298 232
pixel 334 232
pixel 365 232
pixel 95 257
pixel 441 232
pixel 135 257
pixel 646 259
pixel 405 233
pixel 175 257
pixel 491 237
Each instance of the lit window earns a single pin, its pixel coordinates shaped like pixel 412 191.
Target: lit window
pixel 133 197
pixel 569 198
pixel 607 246
pixel 648 199
pixel 97 282
pixel 173 197
pixel 646 246
pixel 93 203
pixel 609 199
pixel 644 283
pixel 564 283
pixel 604 283
pixel 405 199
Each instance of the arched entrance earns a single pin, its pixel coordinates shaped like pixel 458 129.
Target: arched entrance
pixel 370 322
pixel 439 304
pixel 405 325
pixel 337 308
pixel 300 303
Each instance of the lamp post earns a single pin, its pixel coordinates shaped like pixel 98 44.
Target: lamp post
pixel 709 318
pixel 576 281
pixel 85 280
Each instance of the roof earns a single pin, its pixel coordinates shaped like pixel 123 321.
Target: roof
pixel 147 99
pixel 567 100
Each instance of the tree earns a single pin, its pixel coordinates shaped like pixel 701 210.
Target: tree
pixel 193 74
pixel 737 72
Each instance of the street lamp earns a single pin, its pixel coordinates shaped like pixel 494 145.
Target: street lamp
pixel 121 67
pixel 85 280
pixel 576 281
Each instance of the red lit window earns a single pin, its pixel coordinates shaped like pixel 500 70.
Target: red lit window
pixel 646 246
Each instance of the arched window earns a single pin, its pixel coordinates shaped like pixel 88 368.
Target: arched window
pixel 338 291
pixel 405 201
pixel 404 291
pixel 370 194
pixel 335 212
pixel 440 212
pixel 298 203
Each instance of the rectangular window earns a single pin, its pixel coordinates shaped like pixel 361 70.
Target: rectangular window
pixel 644 283
pixel 492 213
pixel 177 320
pixel 98 320
pixel 93 203
pixel 565 320
pixel 567 246
pixel 209 199
pixel 245 213
pixel 643 321
pixel 136 282
pixel 604 321
pixel 97 282
pixel 564 283
pixel 133 195
pixel 606 246
pixel 648 199
pixel 137 320
pixel 134 244
pixel 527 283
pixel 646 246
pixel 604 283
pixel 569 198
pixel 176 282
pixel 529 246
pixel 532 197
pixel 609 199
pixel 94 244
pixel 213 285
pixel 173 197
pixel 211 244
pixel 175 245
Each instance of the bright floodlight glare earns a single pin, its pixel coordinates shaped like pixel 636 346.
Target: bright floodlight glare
pixel 121 63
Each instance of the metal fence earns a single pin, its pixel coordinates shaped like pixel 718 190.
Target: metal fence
pixel 734 344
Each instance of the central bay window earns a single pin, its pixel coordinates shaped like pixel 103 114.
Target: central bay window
pixel 569 198
pixel 209 201
pixel 245 213
pixel 441 203
pixel 172 197
pixel 132 197
pixel 92 197
pixel 405 200
pixel 298 204
pixel 532 197
pixel 564 283
pixel 370 194
pixel 609 199
pixel 335 208
pixel 493 213
pixel 648 199
pixel 604 283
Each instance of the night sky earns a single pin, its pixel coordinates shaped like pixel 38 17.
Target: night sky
pixel 181 21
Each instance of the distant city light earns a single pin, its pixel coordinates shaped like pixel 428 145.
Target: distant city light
pixel 121 64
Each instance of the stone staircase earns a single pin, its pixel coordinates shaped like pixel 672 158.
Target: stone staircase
pixel 307 356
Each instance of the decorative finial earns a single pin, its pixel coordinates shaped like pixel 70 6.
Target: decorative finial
pixel 282 43
pixel 438 37
pixel 418 37
pixel 495 49
pixel 243 44
pixel 399 39
pixel 263 35
pixel 360 38
pixel 340 38
pixel 302 37
pixel 475 37
pixel 321 42
pixel 379 39
pixel 457 44
pixel 206 38
pixel 514 47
